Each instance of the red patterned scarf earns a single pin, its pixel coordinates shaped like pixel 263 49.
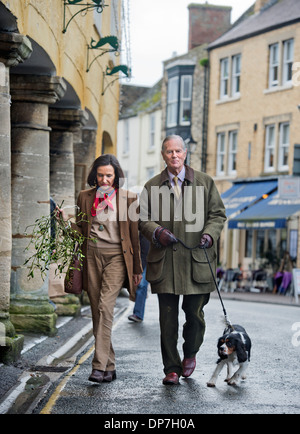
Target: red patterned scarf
pixel 104 196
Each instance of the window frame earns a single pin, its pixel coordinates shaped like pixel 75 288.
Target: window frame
pixel 270 148
pixel 126 141
pixel 224 78
pixel 236 75
pixel 283 148
pixel 152 126
pixel 274 65
pixel 232 152
pixel 172 101
pixel 184 99
pixel 221 154
pixel 287 62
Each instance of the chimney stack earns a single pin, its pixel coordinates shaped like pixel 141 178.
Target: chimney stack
pixel 259 4
pixel 207 22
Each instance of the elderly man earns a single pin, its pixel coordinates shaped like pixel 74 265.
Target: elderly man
pixel 180 204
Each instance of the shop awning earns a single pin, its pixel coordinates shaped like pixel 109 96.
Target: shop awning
pixel 270 213
pixel 244 194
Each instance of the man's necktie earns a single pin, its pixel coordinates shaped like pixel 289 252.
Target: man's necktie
pixel 176 187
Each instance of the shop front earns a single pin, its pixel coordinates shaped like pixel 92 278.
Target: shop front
pixel 263 228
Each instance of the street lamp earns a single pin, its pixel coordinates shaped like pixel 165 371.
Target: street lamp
pixel 191 148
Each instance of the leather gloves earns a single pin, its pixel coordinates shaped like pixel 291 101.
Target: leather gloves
pixel 163 237
pixel 205 241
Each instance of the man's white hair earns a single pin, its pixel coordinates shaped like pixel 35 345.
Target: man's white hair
pixel 173 137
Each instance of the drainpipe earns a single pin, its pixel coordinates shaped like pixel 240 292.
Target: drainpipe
pixel 205 64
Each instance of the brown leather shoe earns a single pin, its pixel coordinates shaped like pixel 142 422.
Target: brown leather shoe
pixel 96 376
pixel 188 366
pixel 109 376
pixel 171 378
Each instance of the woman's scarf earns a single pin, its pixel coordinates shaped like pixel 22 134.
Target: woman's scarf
pixel 104 196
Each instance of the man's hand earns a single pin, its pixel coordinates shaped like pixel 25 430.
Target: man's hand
pixel 205 241
pixel 164 237
pixel 137 278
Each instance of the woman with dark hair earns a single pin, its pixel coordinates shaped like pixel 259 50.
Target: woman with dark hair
pixel 111 254
pixel 106 160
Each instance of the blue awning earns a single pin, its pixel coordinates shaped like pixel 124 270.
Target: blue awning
pixel 270 213
pixel 244 194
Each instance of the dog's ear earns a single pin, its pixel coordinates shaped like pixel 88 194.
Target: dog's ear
pixel 241 351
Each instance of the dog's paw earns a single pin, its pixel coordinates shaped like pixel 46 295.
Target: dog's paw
pixel 211 384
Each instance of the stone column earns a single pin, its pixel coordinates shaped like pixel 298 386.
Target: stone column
pixel 85 154
pixel 66 125
pixel 14 48
pixel 31 95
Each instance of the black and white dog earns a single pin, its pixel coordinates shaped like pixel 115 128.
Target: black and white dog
pixel 233 347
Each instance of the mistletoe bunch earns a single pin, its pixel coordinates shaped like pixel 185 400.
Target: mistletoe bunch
pixel 53 240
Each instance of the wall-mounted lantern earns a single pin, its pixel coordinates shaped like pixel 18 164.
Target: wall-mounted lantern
pixel 96 5
pixel 107 40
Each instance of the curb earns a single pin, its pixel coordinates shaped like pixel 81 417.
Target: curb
pixel 33 383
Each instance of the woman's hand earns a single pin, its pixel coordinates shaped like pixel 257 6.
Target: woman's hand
pixel 137 279
pixel 60 213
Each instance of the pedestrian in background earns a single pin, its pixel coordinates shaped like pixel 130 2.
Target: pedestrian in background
pixel 112 259
pixel 141 292
pixel 173 270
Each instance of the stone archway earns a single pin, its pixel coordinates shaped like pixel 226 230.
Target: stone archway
pixel 107 144
pixel 85 153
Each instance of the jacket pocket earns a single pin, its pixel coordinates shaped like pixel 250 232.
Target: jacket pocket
pixel 200 267
pixel 155 265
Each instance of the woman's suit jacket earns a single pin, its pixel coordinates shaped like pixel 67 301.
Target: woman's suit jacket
pixel 128 233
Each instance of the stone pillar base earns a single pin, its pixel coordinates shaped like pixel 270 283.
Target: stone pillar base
pixel 67 305
pixel 12 350
pixel 33 316
pixel 11 344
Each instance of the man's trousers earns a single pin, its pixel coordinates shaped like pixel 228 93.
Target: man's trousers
pixel 193 329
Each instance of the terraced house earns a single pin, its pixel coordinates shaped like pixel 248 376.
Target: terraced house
pixel 59 102
pixel 254 132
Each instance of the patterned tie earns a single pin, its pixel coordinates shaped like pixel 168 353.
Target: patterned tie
pixel 176 187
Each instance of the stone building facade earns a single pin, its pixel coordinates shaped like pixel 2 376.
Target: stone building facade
pixel 57 113
pixel 254 123
pixel 184 86
pixel 139 134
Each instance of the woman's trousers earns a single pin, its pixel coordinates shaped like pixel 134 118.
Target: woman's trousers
pixel 106 275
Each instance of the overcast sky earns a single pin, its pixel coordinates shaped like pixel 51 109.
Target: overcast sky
pixel 159 28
